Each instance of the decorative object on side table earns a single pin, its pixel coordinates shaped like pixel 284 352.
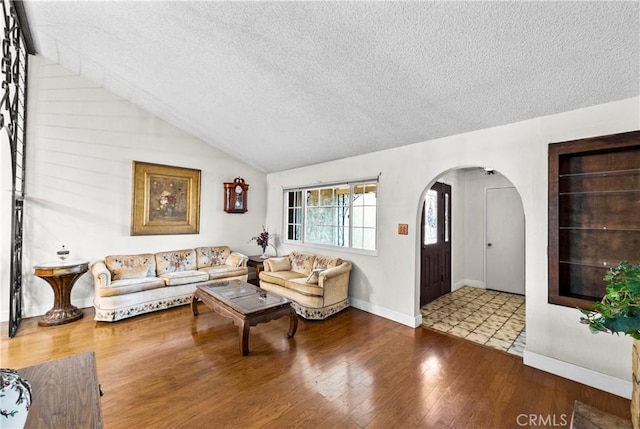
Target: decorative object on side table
pixel 235 196
pixel 619 312
pixel 63 253
pixel 15 399
pixel 262 240
pixel 61 276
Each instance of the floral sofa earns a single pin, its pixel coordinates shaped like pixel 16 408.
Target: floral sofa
pixel 317 285
pixel 128 285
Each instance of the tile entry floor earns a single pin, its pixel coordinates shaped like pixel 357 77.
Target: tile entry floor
pixel 492 318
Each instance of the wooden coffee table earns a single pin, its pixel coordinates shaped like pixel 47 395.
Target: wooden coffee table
pixel 246 305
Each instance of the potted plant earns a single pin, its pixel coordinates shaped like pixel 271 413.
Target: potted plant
pixel 619 312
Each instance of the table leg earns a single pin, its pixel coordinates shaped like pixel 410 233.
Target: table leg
pixel 244 337
pixel 293 323
pixel 194 304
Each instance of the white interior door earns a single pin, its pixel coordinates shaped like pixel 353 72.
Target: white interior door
pixel 504 245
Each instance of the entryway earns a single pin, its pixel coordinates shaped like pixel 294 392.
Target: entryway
pixel 488 317
pixel 472 281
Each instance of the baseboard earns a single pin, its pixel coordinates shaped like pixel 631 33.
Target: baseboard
pixel 412 322
pixel 472 283
pixel 582 375
pixel 39 310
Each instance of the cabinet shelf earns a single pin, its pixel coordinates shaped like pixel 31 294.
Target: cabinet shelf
pixel 601 173
pixel 599 193
pixel 594 195
pixel 603 265
pixel 597 228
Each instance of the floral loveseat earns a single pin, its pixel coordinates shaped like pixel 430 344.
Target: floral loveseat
pixel 317 285
pixel 128 285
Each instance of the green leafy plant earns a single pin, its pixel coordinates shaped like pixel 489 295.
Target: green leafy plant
pixel 619 310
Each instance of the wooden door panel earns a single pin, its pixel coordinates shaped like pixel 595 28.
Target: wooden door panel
pixel 431 280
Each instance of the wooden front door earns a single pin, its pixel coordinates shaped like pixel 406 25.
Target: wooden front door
pixel 435 267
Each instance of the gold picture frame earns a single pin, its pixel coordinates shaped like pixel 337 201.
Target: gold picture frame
pixel 165 200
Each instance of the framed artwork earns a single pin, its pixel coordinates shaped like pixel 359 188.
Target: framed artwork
pixel 165 200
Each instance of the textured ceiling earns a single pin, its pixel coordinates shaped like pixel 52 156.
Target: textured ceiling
pixel 288 84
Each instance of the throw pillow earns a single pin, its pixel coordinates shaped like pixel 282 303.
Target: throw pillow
pixel 130 273
pixel 279 264
pixel 314 276
pixel 302 263
pixel 325 262
pixel 234 260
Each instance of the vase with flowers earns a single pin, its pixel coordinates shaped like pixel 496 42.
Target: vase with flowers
pixel 262 240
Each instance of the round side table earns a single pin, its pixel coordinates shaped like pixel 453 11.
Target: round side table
pixel 61 275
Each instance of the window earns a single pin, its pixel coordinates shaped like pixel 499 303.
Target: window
pixel 431 218
pixel 342 215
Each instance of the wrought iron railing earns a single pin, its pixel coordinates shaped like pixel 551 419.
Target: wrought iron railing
pixel 13 112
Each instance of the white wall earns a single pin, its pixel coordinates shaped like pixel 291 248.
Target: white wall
pixel 387 283
pixel 81 144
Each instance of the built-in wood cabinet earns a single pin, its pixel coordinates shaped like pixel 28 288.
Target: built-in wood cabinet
pixel 594 214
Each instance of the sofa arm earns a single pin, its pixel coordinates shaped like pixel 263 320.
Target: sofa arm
pixel 101 275
pixel 335 283
pixel 331 273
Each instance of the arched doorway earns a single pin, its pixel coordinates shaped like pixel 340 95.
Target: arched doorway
pixel 486 303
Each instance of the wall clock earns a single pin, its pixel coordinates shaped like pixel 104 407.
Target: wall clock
pixel 235 196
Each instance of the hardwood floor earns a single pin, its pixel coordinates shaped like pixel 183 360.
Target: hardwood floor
pixel 354 370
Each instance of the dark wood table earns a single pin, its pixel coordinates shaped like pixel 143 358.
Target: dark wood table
pixel 586 417
pixel 246 305
pixel 61 275
pixel 257 263
pixel 64 393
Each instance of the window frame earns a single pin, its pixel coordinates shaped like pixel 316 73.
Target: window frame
pixel 302 208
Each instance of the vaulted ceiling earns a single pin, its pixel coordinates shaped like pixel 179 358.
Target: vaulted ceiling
pixel 288 84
